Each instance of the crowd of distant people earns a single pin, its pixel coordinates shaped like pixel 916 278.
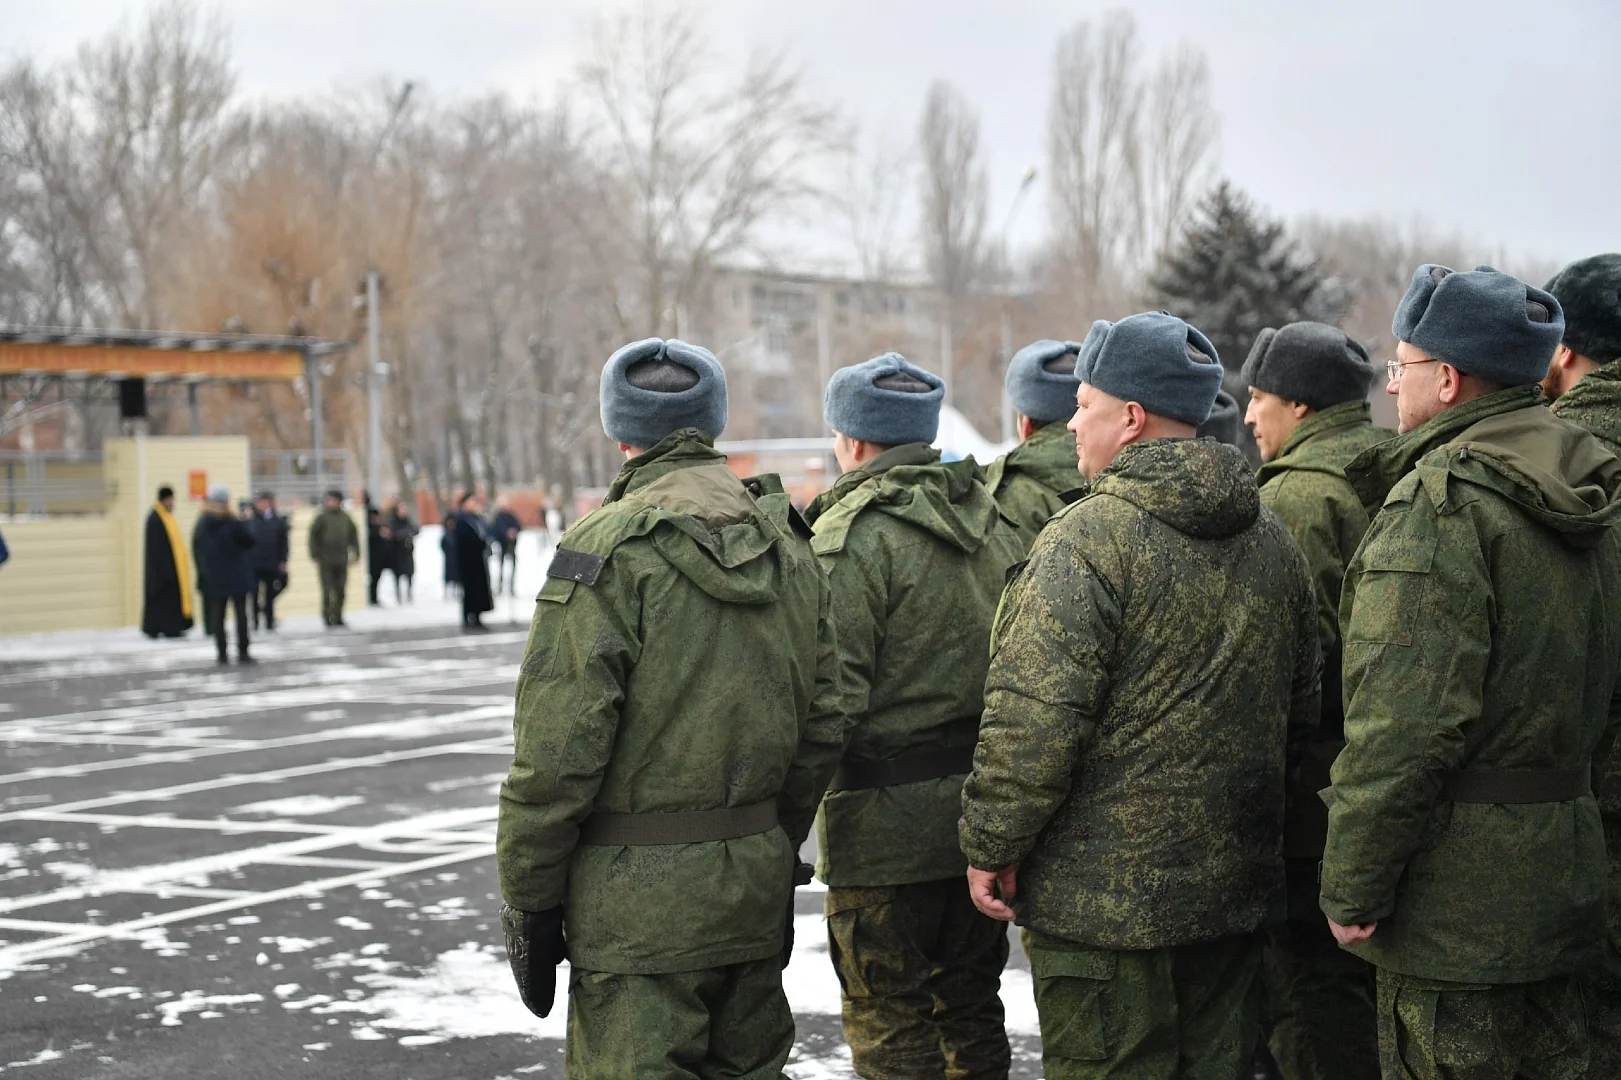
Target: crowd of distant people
pixel 237 562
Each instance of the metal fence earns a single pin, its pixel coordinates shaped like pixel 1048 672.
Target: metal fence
pixel 293 476
pixel 36 484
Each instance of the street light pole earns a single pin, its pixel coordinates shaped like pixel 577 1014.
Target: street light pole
pixel 375 369
pixel 1007 316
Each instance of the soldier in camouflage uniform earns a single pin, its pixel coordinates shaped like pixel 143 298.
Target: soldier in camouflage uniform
pixel 1481 620
pixel 1584 383
pixel 1151 663
pixel 916 553
pixel 1308 408
pixel 1031 480
pixel 676 724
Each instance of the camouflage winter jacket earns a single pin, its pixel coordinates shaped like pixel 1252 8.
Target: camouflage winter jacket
pixel 1305 486
pixel 916 553
pixel 1482 627
pixel 1152 662
pixel 1594 404
pixel 681 659
pixel 1029 480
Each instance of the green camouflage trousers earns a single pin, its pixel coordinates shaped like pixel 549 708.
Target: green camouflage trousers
pixel 1604 1020
pixel 1188 1012
pixel 334 580
pixel 1435 1030
pixel 1317 1008
pixel 921 971
pixel 729 1022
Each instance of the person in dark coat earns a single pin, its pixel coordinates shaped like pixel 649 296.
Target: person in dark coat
pixel 447 552
pixel 379 547
pixel 223 548
pixel 504 531
pixel 167 610
pixel 402 560
pixel 471 547
pixel 270 551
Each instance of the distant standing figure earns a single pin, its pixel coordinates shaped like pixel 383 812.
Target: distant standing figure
pixel 402 551
pixel 334 544
pixel 378 550
pixel 223 544
pixel 504 531
pixel 270 553
pixel 167 611
pixel 470 546
pixel 447 555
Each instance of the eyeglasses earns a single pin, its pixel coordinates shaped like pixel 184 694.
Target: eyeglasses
pixel 1393 368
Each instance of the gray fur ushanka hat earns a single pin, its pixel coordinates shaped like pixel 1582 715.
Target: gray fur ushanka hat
pixel 887 400
pixel 1310 362
pixel 651 389
pixel 1157 360
pixel 1041 380
pixel 1590 292
pixel 1483 322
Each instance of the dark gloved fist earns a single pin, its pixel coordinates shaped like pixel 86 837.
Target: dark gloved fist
pixel 534 949
pixel 803 872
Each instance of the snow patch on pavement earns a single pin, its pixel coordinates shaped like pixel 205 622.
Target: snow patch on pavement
pixel 300 805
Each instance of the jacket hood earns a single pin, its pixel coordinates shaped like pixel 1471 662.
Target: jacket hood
pixel 1199 487
pixel 1595 403
pixel 1557 474
pixel 717 537
pixel 1047 456
pixel 948 500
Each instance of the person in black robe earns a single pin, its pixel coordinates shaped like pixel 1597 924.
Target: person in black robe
pixel 166 611
pixel 471 550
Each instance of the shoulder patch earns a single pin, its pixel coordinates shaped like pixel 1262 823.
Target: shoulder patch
pixel 575 566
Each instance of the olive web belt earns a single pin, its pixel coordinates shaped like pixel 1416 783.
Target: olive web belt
pixel 855 774
pixel 679 826
pixel 1518 785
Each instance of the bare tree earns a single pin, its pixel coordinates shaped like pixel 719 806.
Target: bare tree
pixel 1178 135
pixel 704 160
pixel 956 191
pixel 878 176
pixel 1093 149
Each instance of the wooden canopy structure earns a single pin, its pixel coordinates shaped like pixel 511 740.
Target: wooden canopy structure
pixel 35 355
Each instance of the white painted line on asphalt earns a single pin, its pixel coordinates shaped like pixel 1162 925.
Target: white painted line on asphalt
pixel 66 944
pixel 370 729
pixel 149 877
pixel 271 776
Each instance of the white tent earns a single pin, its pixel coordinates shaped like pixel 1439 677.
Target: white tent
pixel 959 439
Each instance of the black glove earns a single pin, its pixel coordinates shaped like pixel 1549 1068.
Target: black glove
pixel 803 872
pixel 534 949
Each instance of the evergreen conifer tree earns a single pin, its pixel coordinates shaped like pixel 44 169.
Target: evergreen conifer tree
pixel 1234 272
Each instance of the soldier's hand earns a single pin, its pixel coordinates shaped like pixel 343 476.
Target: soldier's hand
pixel 983 886
pixel 1350 935
pixel 534 949
pixel 803 872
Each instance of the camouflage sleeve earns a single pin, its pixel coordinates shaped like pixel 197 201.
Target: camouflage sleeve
pixel 1306 689
pixel 582 647
pixel 858 604
pixel 1308 515
pixel 1048 684
pixel 1417 637
pixel 821 740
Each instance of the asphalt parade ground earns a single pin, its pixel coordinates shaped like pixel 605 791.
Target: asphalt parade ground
pixel 287 870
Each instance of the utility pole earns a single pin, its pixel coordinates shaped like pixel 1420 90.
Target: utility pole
pixel 376 370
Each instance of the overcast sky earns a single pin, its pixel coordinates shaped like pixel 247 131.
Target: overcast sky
pixel 1497 118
